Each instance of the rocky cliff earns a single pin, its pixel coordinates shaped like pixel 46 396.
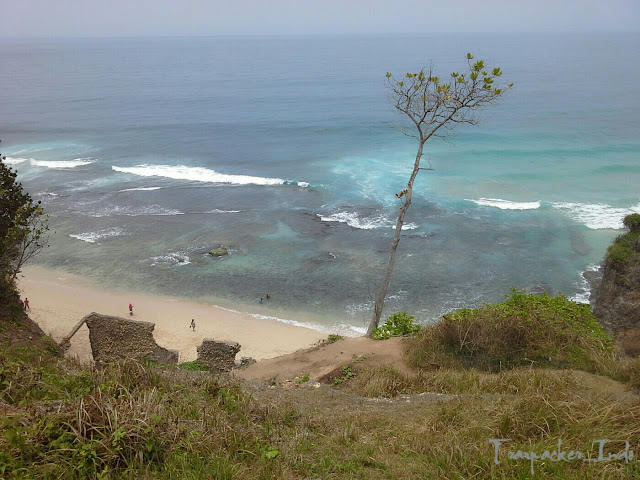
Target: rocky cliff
pixel 617 297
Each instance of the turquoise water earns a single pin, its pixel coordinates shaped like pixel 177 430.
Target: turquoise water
pixel 149 152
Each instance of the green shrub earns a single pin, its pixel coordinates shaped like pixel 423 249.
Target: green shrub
pixel 397 325
pixel 524 330
pixel 194 366
pixel 632 222
pixel 333 338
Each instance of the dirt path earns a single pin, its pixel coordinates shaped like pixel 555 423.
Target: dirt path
pixel 321 360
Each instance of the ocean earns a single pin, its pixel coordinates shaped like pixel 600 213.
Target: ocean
pixel 149 152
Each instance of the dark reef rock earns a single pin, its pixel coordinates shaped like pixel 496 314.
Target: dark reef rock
pixel 219 252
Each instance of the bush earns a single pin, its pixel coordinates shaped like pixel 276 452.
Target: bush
pixel 333 338
pixel 624 250
pixel 397 325
pixel 632 222
pixel 524 330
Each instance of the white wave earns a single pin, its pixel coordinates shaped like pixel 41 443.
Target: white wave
pixel 171 258
pixel 199 174
pixel 140 189
pixel 506 204
pixel 15 161
pixel 78 162
pixel 137 211
pixel 216 210
pixel 92 237
pixel 353 220
pixel 342 329
pixel 596 216
pixel 584 293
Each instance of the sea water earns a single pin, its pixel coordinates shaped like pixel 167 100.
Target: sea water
pixel 149 152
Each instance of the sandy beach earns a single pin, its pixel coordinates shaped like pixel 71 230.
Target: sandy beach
pixel 58 300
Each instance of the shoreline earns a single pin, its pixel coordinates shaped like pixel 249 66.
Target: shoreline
pixel 58 300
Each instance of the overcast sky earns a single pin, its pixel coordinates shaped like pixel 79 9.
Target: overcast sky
pixel 98 18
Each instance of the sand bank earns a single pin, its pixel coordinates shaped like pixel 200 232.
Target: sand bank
pixel 59 300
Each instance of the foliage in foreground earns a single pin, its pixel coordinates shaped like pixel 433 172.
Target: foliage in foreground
pixel 61 419
pixel 397 325
pixel 625 250
pixel 527 329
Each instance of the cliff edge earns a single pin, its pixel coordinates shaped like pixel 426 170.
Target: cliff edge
pixel 617 298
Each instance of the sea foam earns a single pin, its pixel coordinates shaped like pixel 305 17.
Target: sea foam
pixel 140 189
pixel 200 174
pixel 61 164
pixel 363 223
pixel 506 204
pixel 596 216
pixel 92 237
pixel 15 161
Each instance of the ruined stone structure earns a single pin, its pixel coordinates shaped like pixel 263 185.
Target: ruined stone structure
pixel 218 356
pixel 115 339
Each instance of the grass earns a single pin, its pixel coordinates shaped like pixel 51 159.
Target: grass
pixel 63 419
pixel 533 330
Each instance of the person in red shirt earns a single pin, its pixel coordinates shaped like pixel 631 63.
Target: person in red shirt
pixel 130 309
pixel 26 304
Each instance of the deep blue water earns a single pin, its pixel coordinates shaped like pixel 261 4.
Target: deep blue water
pixel 148 152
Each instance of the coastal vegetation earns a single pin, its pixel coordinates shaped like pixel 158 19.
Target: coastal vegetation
pixel 527 329
pixel 23 234
pixel 433 106
pixel 397 325
pixel 421 419
pixel 537 370
pixel 625 250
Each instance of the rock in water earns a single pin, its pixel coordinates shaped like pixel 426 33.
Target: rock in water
pixel 219 252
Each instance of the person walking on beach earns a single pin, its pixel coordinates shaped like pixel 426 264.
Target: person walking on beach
pixel 26 304
pixel 130 309
pixel 193 324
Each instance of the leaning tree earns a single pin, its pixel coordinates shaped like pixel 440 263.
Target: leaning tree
pixel 434 106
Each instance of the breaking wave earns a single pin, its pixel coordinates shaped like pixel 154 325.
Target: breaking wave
pixel 364 223
pixel 201 174
pixel 506 204
pixel 15 161
pixel 93 237
pixel 596 216
pixel 140 189
pixel 61 164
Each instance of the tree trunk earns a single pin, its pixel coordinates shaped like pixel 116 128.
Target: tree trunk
pixel 382 293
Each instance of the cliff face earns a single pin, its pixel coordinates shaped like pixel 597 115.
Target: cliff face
pixel 617 298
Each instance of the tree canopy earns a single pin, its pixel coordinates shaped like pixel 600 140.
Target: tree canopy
pixel 23 227
pixel 434 106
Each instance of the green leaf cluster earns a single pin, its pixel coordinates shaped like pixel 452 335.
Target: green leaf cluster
pixel 398 325
pixel 23 223
pixel 625 250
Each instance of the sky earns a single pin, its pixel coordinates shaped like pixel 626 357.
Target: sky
pixel 118 18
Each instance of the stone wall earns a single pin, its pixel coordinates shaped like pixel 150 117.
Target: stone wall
pixel 218 356
pixel 115 339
